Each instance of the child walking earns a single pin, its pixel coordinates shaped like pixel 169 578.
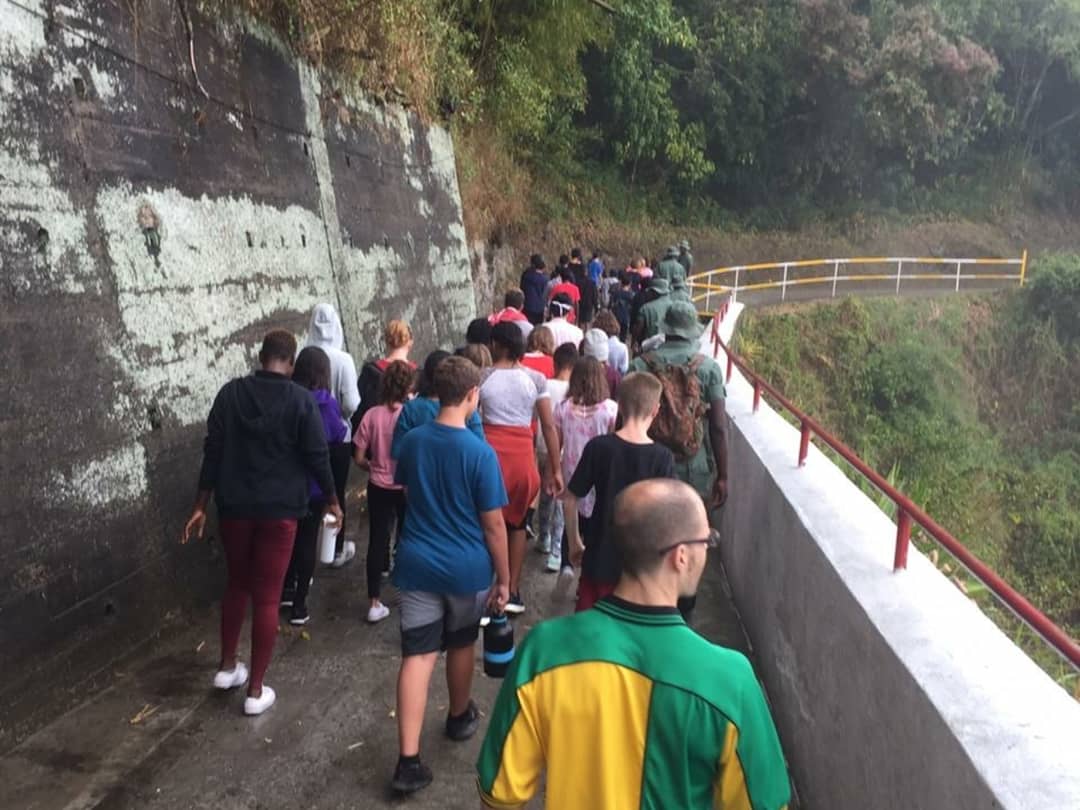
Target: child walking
pixel 587 412
pixel 386 500
pixel 551 511
pixel 312 371
pixel 609 465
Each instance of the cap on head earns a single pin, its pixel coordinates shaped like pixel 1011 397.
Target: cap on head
pixel 596 345
pixel 681 320
pixel 671 252
pixel 684 244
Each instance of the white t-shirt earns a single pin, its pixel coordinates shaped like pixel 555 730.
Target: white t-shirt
pixel 565 332
pixel 557 391
pixel 508 396
pixel 618 356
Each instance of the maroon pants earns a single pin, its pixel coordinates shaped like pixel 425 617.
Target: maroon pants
pixel 257 553
pixel 590 592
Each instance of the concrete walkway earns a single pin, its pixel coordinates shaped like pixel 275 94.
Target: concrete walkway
pixel 160 737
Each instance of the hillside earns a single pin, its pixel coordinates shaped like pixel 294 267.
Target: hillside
pixel 969 405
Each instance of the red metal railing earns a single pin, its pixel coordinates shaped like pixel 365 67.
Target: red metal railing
pixel 906 510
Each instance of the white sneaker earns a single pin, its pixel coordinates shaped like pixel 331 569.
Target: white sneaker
pixel 254 706
pixel 543 545
pixel 231 678
pixel 348 551
pixel 377 613
pixel 554 562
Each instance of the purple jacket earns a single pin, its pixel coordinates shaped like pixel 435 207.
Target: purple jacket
pixel 334 428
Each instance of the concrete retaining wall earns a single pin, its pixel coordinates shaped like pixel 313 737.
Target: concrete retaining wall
pixel 149 236
pixel 890 690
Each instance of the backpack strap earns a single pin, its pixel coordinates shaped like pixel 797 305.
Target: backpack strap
pixel 695 363
pixel 654 363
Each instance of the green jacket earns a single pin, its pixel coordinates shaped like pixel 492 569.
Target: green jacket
pixel 699 471
pixel 672 271
pixel 651 316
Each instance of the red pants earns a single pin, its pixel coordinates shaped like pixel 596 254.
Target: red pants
pixel 257 553
pixel 590 592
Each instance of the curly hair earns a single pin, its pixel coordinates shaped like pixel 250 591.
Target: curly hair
pixel 507 342
pixel 588 383
pixel 396 383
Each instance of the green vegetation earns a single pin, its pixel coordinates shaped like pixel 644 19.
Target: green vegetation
pixel 708 112
pixel 973 407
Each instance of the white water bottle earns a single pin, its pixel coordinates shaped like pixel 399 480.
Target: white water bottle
pixel 328 538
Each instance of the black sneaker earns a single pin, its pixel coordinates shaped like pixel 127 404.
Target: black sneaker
pixel 514 605
pixel 299 615
pixel 463 726
pixel 410 777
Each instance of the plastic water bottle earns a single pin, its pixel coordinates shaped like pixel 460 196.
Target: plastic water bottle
pixel 328 538
pixel 498 646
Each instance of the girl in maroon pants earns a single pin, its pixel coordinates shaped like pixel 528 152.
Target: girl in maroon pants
pixel 264 438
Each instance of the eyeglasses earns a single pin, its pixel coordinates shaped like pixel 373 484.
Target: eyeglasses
pixel 712 541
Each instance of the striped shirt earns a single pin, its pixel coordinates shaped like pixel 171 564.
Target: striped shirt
pixel 626 707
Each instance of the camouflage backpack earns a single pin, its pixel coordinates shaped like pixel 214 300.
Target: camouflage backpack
pixel 679 426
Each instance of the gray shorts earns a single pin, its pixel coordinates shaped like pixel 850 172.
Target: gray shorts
pixel 431 622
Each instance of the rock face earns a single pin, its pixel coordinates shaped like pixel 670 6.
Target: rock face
pixel 149 236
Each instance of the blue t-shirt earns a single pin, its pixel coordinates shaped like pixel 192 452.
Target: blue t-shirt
pixel 450 477
pixel 596 270
pixel 419 411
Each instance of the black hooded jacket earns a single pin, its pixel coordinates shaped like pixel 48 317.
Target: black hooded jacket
pixel 264 438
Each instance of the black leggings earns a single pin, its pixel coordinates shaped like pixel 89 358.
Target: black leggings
pixel 341 454
pixel 385 507
pixel 305 550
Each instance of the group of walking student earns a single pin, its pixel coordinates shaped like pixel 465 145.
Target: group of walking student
pixel 590 422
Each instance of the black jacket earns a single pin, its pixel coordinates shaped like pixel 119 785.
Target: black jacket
pixel 264 438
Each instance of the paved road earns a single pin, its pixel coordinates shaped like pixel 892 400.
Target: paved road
pixel 330 742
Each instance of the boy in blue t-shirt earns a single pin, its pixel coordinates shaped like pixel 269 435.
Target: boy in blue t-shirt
pixel 454 539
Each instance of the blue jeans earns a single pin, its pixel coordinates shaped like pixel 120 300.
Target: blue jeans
pixel 551 521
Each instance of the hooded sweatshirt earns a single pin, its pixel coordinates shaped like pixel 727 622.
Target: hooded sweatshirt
pixel 326 333
pixel 333 428
pixel 264 439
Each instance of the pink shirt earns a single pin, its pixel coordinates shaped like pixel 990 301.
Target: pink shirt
pixel 576 425
pixel 375 434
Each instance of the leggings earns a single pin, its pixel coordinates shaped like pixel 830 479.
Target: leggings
pixel 305 550
pixel 257 554
pixel 385 507
pixel 341 455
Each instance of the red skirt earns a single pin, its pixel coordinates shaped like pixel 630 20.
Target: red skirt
pixel 517 460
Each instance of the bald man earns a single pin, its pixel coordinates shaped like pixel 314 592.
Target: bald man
pixel 624 706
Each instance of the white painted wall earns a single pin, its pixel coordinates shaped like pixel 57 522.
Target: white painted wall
pixel 891 690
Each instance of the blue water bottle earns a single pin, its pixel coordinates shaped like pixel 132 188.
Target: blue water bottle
pixel 498 646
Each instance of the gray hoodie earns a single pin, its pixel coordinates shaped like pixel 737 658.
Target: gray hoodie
pixel 325 332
